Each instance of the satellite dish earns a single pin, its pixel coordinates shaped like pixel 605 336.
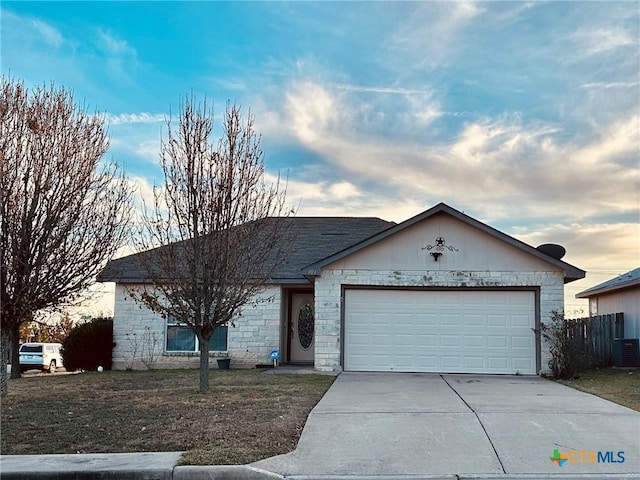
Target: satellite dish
pixel 553 250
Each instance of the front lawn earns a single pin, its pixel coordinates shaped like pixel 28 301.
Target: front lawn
pixel 618 385
pixel 246 416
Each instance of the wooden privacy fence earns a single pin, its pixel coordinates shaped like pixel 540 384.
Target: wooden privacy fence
pixel 596 334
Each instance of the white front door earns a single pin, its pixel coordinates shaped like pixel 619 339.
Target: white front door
pixel 302 332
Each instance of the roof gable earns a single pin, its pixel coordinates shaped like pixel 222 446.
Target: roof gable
pixel 621 282
pixel 570 272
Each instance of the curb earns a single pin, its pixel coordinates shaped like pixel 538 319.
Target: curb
pixel 151 474
pixel 96 466
pixel 162 466
pixel 375 477
pixel 223 472
pixel 468 476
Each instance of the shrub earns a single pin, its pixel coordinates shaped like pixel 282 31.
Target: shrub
pixel 568 357
pixel 89 346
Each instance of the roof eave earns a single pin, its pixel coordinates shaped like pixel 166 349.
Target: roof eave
pixel 147 281
pixel 594 291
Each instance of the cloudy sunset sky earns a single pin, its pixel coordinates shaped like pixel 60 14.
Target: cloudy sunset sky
pixel 525 116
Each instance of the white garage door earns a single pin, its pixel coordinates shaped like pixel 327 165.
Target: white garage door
pixel 440 331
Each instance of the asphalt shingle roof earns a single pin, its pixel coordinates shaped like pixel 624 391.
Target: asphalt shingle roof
pixel 309 240
pixel 620 282
pixel 314 242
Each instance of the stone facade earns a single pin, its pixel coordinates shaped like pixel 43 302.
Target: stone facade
pixel 328 291
pixel 138 329
pixel 442 249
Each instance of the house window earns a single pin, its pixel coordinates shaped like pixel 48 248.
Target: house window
pixel 180 338
pixel 218 342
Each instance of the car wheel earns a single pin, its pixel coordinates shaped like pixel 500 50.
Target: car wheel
pixel 52 366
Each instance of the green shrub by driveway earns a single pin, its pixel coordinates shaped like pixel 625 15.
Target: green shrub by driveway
pixel 246 416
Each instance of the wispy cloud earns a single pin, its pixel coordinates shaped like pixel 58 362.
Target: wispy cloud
pixel 609 85
pixel 120 58
pixel 128 118
pixel 430 32
pixel 510 165
pixel 47 32
pixel 34 29
pixel 601 40
pixel 611 255
pixel 377 89
pixel 112 45
pixel 344 198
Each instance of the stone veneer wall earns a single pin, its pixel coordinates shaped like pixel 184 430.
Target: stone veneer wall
pixel 256 333
pixel 328 298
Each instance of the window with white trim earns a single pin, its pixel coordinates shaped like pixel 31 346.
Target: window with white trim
pixel 181 338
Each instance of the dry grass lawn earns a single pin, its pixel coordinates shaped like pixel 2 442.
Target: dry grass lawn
pixel 618 385
pixel 246 416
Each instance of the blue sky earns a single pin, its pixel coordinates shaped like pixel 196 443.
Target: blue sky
pixel 525 115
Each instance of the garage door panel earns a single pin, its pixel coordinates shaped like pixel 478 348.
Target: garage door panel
pixel 426 320
pixel 473 320
pixel 451 362
pixel 428 340
pixel 451 320
pixel 523 300
pixel 497 363
pixel 475 363
pixel 440 331
pixel 381 341
pixel 497 321
pixel 471 341
pixel 520 321
pixel 427 362
pixel 523 343
pixel 523 364
pixel 450 341
pixel 497 341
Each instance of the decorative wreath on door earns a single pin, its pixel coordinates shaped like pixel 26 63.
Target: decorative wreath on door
pixel 306 325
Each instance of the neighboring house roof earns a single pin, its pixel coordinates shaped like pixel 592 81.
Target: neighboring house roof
pixel 571 273
pixel 621 282
pixel 308 240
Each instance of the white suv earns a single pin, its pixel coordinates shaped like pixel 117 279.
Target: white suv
pixel 41 356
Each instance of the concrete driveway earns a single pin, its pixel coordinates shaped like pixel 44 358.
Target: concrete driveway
pixel 428 424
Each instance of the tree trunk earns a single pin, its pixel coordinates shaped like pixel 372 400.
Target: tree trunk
pixel 14 339
pixel 204 363
pixel 4 353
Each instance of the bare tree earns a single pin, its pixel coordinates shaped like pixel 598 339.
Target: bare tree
pixel 219 224
pixel 64 212
pixel 47 331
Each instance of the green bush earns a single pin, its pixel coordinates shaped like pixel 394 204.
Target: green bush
pixel 89 346
pixel 568 357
